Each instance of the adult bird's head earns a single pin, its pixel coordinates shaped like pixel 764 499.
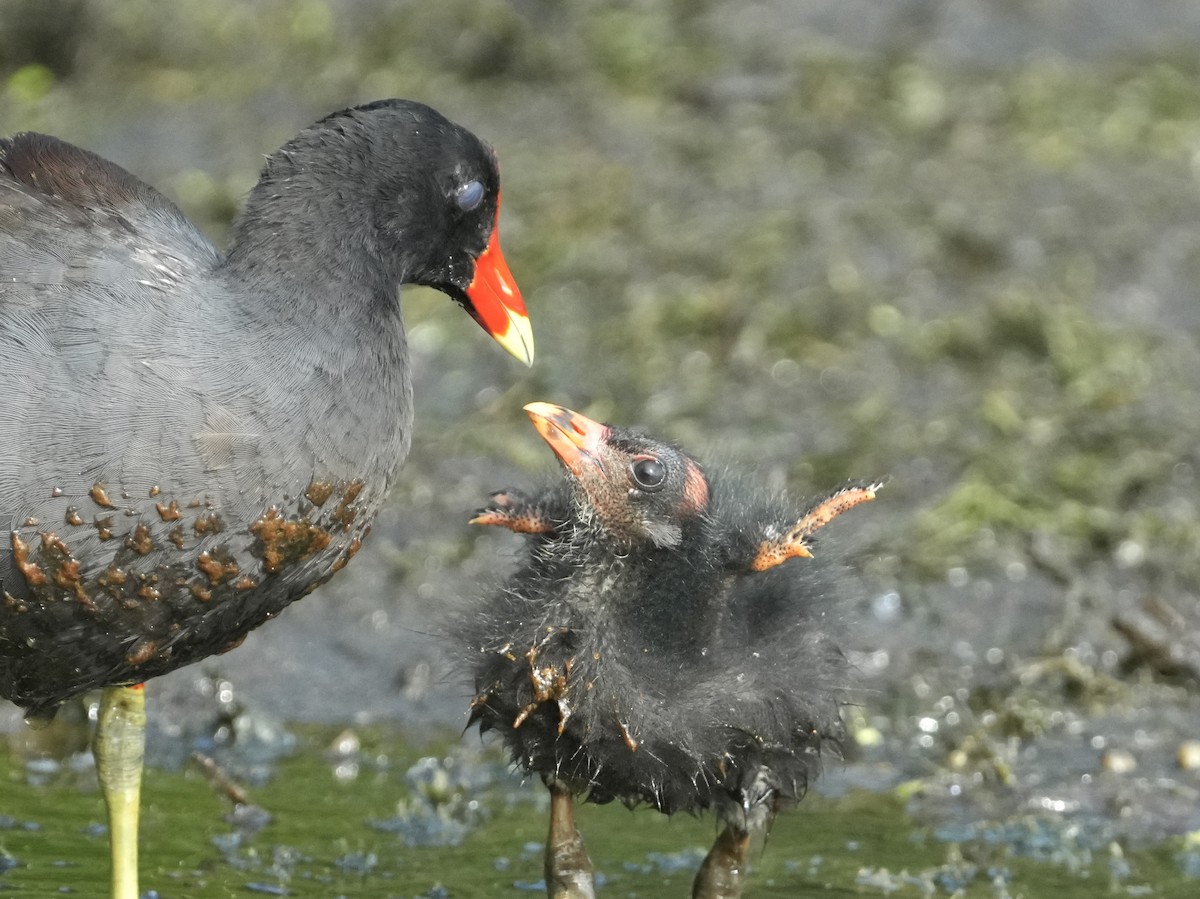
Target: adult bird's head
pixel 419 197
pixel 459 202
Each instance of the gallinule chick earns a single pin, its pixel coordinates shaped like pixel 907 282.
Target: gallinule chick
pixel 654 647
pixel 192 440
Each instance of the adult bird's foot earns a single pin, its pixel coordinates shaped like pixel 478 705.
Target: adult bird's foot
pixel 119 748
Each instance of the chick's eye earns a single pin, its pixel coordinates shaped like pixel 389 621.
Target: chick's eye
pixel 648 473
pixel 469 196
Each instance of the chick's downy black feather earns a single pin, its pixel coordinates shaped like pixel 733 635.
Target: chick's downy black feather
pixel 652 646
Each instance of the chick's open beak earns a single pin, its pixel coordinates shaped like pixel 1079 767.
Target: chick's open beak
pixel 575 438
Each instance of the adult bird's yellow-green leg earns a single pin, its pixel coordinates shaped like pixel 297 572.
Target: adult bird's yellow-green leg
pixel 568 869
pixel 722 874
pixel 119 748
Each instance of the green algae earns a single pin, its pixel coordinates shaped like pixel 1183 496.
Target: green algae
pixel 321 841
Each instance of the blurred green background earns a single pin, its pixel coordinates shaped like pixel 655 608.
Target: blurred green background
pixel 952 243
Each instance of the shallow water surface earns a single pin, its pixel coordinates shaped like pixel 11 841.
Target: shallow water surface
pixel 390 819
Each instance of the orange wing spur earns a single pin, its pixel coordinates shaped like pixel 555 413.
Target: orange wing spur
pixel 774 550
pixel 515 511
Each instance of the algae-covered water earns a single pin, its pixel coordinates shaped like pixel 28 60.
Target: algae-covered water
pixel 955 244
pixel 388 819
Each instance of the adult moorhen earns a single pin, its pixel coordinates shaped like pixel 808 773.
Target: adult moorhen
pixel 653 647
pixel 192 441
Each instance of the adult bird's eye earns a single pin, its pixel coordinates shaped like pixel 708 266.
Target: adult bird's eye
pixel 648 473
pixel 469 195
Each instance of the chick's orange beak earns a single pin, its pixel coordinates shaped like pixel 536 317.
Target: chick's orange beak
pixel 495 301
pixel 575 438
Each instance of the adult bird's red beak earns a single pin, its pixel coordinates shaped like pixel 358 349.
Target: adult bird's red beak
pixel 495 301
